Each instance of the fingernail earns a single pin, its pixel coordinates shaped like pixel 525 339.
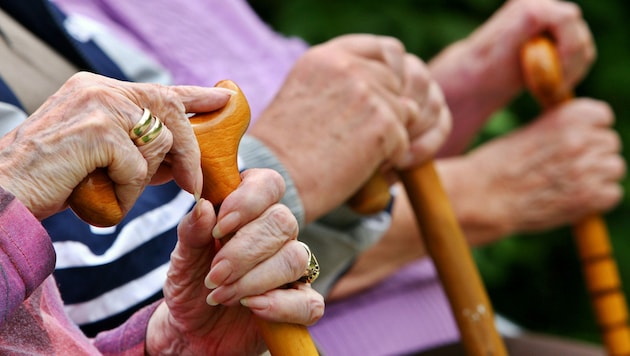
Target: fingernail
pixel 210 301
pixel 226 224
pixel 197 209
pixel 198 186
pixel 209 284
pixel 220 273
pixel 257 302
pixel 225 90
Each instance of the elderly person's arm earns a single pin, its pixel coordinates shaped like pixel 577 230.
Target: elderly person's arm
pixel 87 124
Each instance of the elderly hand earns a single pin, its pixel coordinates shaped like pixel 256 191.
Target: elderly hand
pixel 563 166
pixel 86 125
pixel 253 267
pixel 482 73
pixel 348 106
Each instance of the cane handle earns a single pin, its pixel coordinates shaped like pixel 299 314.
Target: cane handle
pixel 219 134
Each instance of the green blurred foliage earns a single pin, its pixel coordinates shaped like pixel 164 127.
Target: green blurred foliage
pixel 535 280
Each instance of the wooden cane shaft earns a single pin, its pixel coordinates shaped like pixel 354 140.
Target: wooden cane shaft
pixel 603 283
pixel 446 244
pixel 219 134
pixel 287 339
pixel 543 76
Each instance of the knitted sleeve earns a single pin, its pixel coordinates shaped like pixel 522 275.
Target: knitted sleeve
pixel 335 239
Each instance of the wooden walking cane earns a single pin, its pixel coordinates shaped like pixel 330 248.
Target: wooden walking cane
pixel 218 133
pixel 543 76
pixel 447 246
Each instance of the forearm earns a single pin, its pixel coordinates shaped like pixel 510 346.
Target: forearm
pixel 134 337
pixel 27 257
pixel 481 218
pixel 473 94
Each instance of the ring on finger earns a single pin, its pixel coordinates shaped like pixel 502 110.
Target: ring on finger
pixel 312 269
pixel 147 129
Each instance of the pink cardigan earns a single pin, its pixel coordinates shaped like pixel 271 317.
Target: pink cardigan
pixel 32 319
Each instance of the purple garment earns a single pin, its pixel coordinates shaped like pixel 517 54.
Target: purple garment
pixel 405 313
pixel 175 33
pixel 32 318
pixel 409 311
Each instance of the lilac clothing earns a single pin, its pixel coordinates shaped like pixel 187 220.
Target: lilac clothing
pixel 175 33
pixel 33 321
pixel 405 313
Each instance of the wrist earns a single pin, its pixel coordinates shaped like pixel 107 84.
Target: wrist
pixel 475 85
pixel 160 338
pixel 482 217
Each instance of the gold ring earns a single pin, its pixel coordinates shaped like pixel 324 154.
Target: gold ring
pixel 147 129
pixel 312 269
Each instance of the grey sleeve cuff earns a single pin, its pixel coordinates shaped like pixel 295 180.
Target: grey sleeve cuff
pixel 336 238
pixel 254 154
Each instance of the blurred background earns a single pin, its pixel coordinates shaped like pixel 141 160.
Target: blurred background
pixel 534 280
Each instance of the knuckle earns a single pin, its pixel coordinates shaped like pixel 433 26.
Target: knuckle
pixel 315 308
pixel 392 44
pixel 281 221
pixel 295 261
pixel 80 78
pixel 572 10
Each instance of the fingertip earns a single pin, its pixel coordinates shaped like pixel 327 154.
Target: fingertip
pixel 226 224
pixel 259 302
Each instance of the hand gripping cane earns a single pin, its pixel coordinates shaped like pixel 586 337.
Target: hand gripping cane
pixel 447 246
pixel 218 133
pixel 543 76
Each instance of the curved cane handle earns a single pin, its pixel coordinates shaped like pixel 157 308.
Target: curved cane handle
pixel 543 76
pixel 219 133
pixel 94 200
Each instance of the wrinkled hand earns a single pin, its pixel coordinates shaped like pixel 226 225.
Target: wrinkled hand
pixel 482 73
pixel 561 167
pixel 86 125
pixel 347 107
pixel 261 257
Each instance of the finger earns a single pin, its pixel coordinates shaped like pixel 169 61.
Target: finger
pixel 430 111
pixel 259 189
pixel 574 38
pixel 160 142
pixel 172 105
pixel 284 267
pixel 416 79
pixel 128 166
pixel 192 255
pixel 430 142
pixel 385 49
pixel 298 305
pixel 253 244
